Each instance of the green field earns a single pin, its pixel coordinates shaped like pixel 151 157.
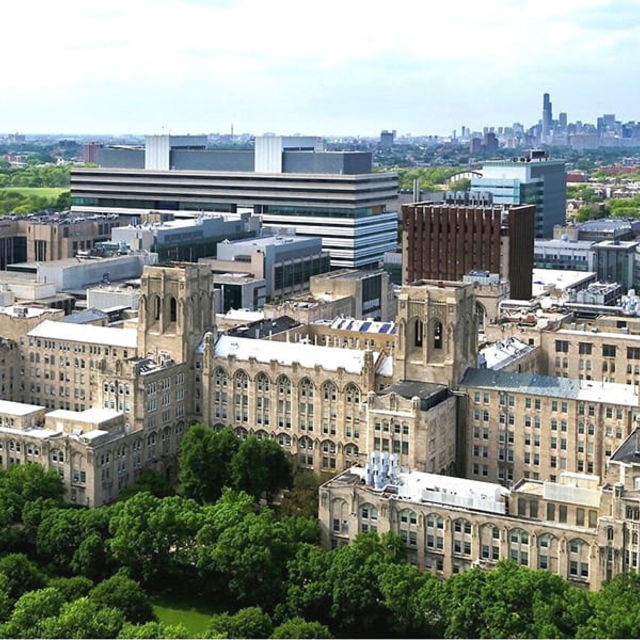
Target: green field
pixel 194 617
pixel 45 192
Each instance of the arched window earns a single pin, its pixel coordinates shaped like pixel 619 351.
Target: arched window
pixel 220 377
pixel 329 391
pixel 305 445
pixel 57 455
pixel 547 552
pixel 408 517
pixel 578 559
pixel 437 335
pixel 241 433
pixel 262 435
pixel 328 454
pixel 434 536
pixel 490 543
pixel 352 394
pixel 519 546
pixel 284 439
pixel 284 386
pixel 418 331
pixel 351 452
pixel 306 392
pixel 329 408
pixel 241 397
pixel 241 380
pixel 263 412
pixel 262 382
pixel 173 309
pixel 339 516
pixel 368 518
pixel 462 537
pixel 306 389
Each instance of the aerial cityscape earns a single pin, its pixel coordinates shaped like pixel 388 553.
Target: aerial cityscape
pixel 311 330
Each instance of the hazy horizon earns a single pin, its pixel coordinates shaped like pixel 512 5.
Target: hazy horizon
pixel 335 69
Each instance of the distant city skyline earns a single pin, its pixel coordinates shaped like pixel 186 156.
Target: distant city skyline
pixel 355 68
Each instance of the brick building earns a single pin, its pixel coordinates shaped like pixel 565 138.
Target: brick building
pixel 447 241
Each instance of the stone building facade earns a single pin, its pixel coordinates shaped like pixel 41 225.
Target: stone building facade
pixel 533 426
pixel 576 527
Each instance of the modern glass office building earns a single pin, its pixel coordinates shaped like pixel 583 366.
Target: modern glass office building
pixel 533 179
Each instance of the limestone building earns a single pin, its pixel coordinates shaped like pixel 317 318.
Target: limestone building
pixel 577 527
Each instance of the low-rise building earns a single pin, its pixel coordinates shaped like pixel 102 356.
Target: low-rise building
pixel 284 262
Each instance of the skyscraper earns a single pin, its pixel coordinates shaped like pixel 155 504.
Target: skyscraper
pixel 547 116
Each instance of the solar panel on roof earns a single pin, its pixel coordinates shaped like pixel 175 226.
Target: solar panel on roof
pixel 348 327
pixel 385 328
pixel 365 326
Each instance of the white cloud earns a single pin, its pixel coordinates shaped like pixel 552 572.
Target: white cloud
pixel 332 66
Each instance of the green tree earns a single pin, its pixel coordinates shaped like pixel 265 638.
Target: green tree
pixel 357 601
pixel 412 597
pixel 83 618
pixel 463 184
pixel 512 602
pixel 74 540
pixel 251 622
pixel 309 592
pixel 300 628
pixel 21 574
pixel 20 484
pixel 126 595
pixel 6 602
pixel 260 467
pixel 589 212
pixel 153 630
pixel 71 588
pixel 63 201
pixel 204 461
pixel 302 499
pixel 615 609
pixel 154 536
pixel 29 612
pixel 152 482
pixel 251 556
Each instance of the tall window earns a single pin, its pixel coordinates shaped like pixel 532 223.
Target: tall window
pixel 417 332
pixel 437 335
pixel 173 310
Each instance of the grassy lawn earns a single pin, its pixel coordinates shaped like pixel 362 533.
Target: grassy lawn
pixel 46 192
pixel 194 616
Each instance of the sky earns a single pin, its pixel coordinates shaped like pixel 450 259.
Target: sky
pixel 323 67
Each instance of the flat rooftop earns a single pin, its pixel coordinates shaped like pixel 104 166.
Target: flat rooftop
pixel 503 353
pixel 24 311
pixel 286 353
pixel 563 244
pixel 268 241
pixel 359 326
pixel 88 333
pixel 542 279
pixel 18 408
pixel 538 385
pixel 420 487
pixel 95 415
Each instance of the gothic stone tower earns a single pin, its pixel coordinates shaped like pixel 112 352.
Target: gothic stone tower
pixel 437 332
pixel 176 309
